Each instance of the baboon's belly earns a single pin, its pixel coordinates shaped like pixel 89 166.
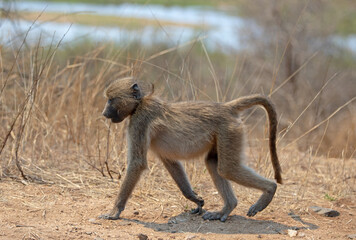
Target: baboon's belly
pixel 179 145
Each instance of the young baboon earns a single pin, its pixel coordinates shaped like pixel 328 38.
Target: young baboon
pixel 185 130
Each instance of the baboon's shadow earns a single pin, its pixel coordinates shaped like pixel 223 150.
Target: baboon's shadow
pixel 186 222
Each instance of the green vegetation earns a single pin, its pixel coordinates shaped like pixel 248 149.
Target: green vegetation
pixel 347 25
pixel 341 13
pixel 330 198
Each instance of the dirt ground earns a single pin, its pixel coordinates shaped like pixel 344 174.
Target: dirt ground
pixel 68 207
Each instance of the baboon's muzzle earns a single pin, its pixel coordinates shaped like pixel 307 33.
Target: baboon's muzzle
pixel 111 113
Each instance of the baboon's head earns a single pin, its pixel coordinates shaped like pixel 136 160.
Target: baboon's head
pixel 123 97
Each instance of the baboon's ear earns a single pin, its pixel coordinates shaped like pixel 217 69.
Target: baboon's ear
pixel 136 92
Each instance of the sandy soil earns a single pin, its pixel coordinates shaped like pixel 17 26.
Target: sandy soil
pixel 68 208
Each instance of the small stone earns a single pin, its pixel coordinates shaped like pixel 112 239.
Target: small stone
pixel 94 221
pixel 136 213
pixel 124 223
pixel 24 182
pixel 142 236
pixel 190 237
pixel 315 208
pixel 292 233
pixel 301 234
pixel 178 219
pixel 172 221
pixel 327 212
pixel 352 236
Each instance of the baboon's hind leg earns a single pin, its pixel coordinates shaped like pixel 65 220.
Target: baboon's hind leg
pixel 230 166
pixel 180 177
pixel 224 188
pixel 247 177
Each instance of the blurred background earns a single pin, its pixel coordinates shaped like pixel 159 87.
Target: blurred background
pixel 56 57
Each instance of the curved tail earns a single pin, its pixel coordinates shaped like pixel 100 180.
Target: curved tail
pixel 243 103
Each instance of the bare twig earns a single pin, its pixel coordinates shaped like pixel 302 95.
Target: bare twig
pixel 108 152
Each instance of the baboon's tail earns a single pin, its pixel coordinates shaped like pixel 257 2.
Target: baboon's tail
pixel 249 101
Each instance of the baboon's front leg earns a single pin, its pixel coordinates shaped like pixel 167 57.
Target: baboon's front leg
pixel 180 177
pixel 132 176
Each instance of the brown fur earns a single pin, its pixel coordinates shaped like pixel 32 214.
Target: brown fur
pixel 185 130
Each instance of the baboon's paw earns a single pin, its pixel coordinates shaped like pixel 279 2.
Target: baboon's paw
pixel 109 216
pixel 262 202
pixel 198 210
pixel 254 209
pixel 215 216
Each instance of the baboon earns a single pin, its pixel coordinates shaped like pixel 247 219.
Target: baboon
pixel 186 130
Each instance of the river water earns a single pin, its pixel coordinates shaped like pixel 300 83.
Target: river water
pixel 218 29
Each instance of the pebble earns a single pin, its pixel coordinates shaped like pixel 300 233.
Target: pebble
pixel 327 212
pixel 292 233
pixel 190 237
pixel 142 236
pixel 94 221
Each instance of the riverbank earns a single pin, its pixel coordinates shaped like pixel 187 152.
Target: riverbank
pixel 144 2
pixel 103 20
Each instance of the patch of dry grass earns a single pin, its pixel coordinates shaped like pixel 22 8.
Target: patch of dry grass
pixel 52 130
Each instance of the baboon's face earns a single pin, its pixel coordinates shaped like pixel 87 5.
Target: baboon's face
pixel 123 98
pixel 115 110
